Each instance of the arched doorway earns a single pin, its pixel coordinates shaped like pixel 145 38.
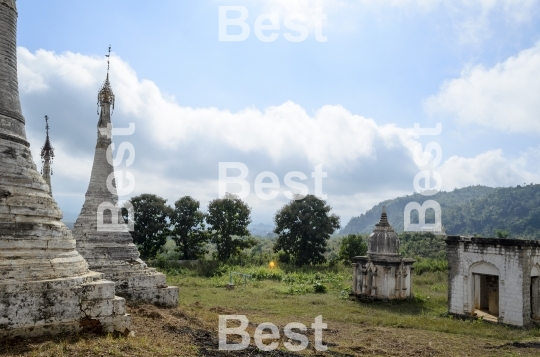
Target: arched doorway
pixel 485 291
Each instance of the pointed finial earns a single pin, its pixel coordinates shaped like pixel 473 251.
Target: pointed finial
pixel 106 95
pixel 108 60
pixel 384 218
pixel 47 125
pixel 47 151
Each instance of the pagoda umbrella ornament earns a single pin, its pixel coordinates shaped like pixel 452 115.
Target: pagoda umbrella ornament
pixel 47 156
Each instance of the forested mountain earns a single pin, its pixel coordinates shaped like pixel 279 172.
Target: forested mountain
pixel 513 209
pixel 472 210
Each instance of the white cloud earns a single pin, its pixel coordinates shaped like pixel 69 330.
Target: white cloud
pixel 179 148
pixel 332 135
pixel 65 164
pixel 77 70
pixel 491 168
pixel 504 97
pixel 184 145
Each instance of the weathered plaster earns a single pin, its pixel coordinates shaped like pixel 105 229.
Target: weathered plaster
pixel 45 284
pixel 111 251
pixel 513 261
pixel 383 273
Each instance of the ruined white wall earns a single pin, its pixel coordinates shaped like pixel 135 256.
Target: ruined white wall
pixel 512 263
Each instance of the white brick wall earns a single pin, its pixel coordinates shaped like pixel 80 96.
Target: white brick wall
pixel 513 263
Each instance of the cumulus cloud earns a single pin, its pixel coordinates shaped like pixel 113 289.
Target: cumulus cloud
pixel 178 149
pixel 491 168
pixel 332 136
pixel 504 97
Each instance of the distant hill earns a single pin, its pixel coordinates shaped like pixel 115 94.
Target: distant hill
pixel 470 210
pixel 514 209
pixel 262 230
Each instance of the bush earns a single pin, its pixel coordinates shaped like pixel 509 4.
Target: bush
pixel 319 288
pixel 299 289
pixel 263 273
pixel 422 245
pixel 284 257
pixel 352 245
pixel 345 292
pixel 423 265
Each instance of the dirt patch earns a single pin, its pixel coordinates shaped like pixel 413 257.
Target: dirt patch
pixel 221 311
pixel 179 332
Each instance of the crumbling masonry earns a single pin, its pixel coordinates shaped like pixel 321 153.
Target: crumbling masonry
pixel 383 273
pixel 108 247
pixel 496 279
pixel 45 284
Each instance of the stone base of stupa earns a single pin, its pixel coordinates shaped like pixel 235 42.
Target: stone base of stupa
pixel 57 306
pixel 140 284
pixel 114 255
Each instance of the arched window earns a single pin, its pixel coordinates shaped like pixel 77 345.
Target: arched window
pixel 107 216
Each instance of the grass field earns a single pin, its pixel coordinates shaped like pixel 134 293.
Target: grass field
pixel 417 327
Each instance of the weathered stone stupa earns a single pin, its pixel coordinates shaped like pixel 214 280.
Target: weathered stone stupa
pixel 45 284
pixel 47 155
pixel 111 250
pixel 383 273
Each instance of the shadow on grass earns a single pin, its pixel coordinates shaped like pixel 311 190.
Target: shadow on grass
pixel 17 346
pixel 413 306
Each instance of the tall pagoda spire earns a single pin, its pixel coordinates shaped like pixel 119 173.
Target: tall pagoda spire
pixel 47 156
pixel 110 249
pixel 11 120
pixel 45 284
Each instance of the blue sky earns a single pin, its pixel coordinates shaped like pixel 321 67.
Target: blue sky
pixel 473 65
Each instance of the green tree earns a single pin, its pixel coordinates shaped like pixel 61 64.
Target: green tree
pixel 303 228
pixel 229 218
pixel 150 223
pixel 352 245
pixel 422 245
pixel 188 230
pixel 502 233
